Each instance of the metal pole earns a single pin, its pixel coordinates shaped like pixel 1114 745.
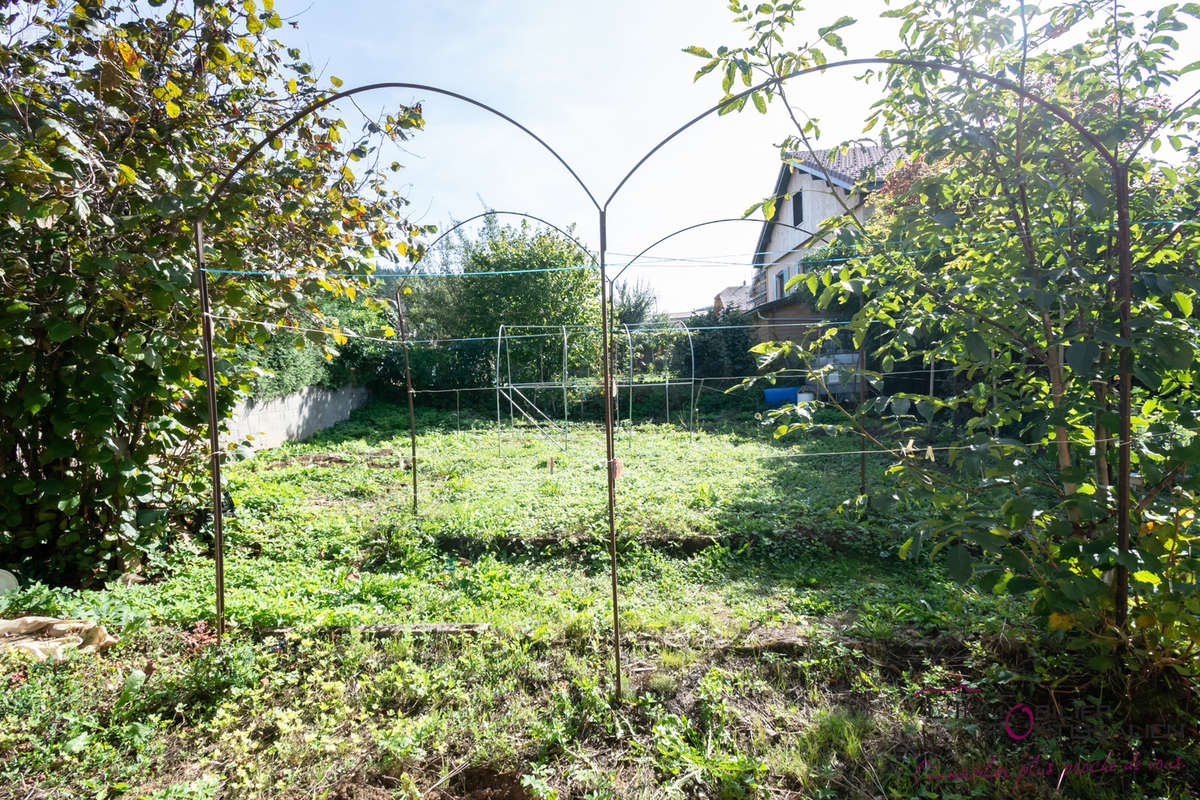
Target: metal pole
pixel 214 441
pixel 499 435
pixel 412 421
pixel 862 398
pixel 608 446
pixel 629 341
pixel 566 420
pixel 692 379
pixel 667 386
pixel 457 411
pixel 1121 589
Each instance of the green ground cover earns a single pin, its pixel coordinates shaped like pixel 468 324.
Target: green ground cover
pixel 772 648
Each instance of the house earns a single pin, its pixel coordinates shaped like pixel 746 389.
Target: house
pixel 732 297
pixel 811 188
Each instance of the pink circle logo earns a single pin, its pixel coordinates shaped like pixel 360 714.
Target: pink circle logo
pixel 1008 718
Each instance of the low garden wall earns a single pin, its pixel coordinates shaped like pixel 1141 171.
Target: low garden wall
pixel 293 417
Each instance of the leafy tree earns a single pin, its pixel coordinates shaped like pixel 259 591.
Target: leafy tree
pixel 565 293
pixel 116 121
pixel 999 248
pixel 720 353
pixel 633 303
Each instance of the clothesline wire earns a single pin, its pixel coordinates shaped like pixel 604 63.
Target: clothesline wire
pixel 688 261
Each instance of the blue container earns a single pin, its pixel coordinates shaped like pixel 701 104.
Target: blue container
pixel 775 398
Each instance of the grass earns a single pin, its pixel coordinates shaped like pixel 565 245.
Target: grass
pixel 772 647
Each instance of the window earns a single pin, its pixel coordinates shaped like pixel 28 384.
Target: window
pixel 797 208
pixel 779 281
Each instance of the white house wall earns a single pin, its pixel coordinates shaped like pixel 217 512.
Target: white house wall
pixel 785 244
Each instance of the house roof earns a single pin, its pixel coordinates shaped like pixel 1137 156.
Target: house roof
pixel 867 165
pixel 846 168
pixel 735 296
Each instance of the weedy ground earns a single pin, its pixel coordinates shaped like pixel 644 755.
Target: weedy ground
pixel 771 647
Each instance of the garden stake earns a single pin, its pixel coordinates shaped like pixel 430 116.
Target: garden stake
pixel 412 422
pixel 214 442
pixel 862 398
pixel 608 447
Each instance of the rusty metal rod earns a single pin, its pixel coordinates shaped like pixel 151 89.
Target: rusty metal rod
pixel 412 422
pixel 214 433
pixel 608 446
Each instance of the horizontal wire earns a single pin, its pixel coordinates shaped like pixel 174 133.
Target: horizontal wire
pixel 971 235
pixel 391 275
pixel 687 261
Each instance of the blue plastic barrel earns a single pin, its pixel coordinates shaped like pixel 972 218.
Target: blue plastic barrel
pixel 775 398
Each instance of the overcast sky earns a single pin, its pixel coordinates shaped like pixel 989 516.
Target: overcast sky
pixel 601 82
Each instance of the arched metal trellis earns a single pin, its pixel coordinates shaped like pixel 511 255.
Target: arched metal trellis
pixel 516 393
pixel 1119 170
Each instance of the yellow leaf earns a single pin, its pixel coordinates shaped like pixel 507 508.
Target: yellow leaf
pixel 1145 620
pixel 335 80
pixel 347 174
pixel 388 330
pixel 350 292
pixel 291 85
pixel 127 55
pixel 172 109
pixel 407 290
pixel 1061 622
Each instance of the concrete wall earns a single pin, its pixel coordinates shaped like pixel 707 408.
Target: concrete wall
pixel 294 417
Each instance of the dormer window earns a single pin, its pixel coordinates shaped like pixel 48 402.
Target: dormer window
pixel 797 208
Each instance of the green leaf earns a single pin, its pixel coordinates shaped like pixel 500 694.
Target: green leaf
pixel 77 744
pixel 1080 357
pixel 958 563
pixel 698 51
pixel 60 330
pixel 976 347
pixel 1184 302
pixel 1021 584
pixel 760 102
pixel 1145 576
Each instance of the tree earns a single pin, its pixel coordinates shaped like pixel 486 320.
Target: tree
pixel 1001 247
pixel 530 280
pixel 115 124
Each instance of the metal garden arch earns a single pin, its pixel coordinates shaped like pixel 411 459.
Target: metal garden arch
pixel 1120 183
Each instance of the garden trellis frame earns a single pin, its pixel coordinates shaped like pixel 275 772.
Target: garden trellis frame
pixel 519 403
pixel 1120 180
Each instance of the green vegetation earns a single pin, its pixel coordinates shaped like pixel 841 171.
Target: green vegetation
pixel 118 120
pixel 1029 141
pixel 768 645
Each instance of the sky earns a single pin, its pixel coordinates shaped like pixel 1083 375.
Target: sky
pixel 602 82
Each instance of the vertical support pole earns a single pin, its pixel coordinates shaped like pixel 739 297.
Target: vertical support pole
pixel 932 362
pixel 214 434
pixel 862 398
pixel 667 388
pixel 499 435
pixel 1121 585
pixel 629 343
pixel 412 420
pixel 691 379
pixel 512 403
pixel 566 415
pixel 606 355
pixel 458 410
